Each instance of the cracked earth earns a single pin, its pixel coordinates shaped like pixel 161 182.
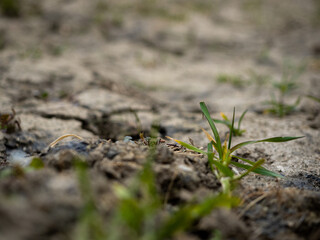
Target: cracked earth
pixel 104 73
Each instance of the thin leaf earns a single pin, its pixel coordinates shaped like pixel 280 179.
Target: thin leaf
pixel 259 170
pixel 213 127
pixel 225 155
pixel 210 156
pixel 274 139
pixel 225 170
pixel 214 144
pixel 185 216
pixel 314 98
pixel 241 118
pixel 210 138
pixel 224 116
pixel 246 160
pixel 186 145
pixel 231 128
pixel 222 121
pixel 254 167
pixel 297 101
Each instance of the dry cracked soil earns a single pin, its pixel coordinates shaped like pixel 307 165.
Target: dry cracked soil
pixel 108 70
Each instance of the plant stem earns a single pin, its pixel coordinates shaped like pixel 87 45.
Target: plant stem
pixel 226 186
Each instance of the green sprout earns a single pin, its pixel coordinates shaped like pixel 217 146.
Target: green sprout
pixel 226 121
pixel 223 160
pixel 258 79
pixel 90 224
pixel 278 105
pixel 18 170
pixel 139 212
pixel 235 80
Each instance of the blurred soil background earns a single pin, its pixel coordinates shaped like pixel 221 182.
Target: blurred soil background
pixel 104 70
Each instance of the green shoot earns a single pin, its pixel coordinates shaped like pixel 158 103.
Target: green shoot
pixel 221 164
pixel 139 212
pixel 236 131
pixel 278 105
pixel 90 224
pixel 279 108
pixel 36 163
pixel 137 215
pixel 314 98
pixel 20 171
pixel 234 80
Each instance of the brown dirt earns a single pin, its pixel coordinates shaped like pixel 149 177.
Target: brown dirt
pixel 104 70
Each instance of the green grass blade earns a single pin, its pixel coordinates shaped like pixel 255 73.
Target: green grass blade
pixel 274 139
pixel 241 118
pixel 179 221
pixel 314 98
pixel 222 121
pixel 191 147
pixel 280 139
pixel 253 167
pixel 231 128
pixel 210 156
pixel 213 127
pixel 246 160
pixel 185 216
pixel 215 145
pixel 259 170
pixel 241 145
pixel 226 171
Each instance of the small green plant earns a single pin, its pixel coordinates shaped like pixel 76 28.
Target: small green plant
pixel 90 225
pixel 18 170
pixel 226 121
pixel 278 105
pixel 258 79
pixel 234 80
pixel 223 160
pixel 139 212
pixel 138 215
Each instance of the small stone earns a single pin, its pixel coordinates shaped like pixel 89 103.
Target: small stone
pixel 19 157
pixel 112 153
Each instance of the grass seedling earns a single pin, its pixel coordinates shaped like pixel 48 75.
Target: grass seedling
pixel 278 105
pixel 90 225
pixel 223 160
pixel 139 212
pixel 138 215
pixel 226 121
pixel 234 80
pixel 258 79
pixel 17 170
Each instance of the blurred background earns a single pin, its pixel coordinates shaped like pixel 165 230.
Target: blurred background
pixel 177 52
